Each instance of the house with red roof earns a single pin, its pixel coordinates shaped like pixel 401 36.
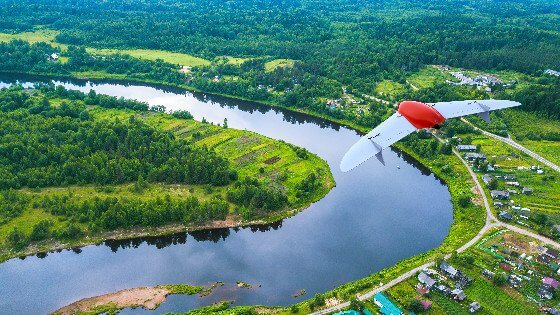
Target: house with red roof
pixel 551 282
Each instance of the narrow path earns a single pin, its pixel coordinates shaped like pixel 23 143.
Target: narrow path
pixel 377 99
pixel 491 222
pixel 516 145
pixel 414 87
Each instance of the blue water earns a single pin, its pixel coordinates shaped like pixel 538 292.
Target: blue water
pixel 375 216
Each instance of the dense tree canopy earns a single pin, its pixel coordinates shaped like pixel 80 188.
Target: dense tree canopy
pixel 42 145
pixel 343 38
pixel 55 145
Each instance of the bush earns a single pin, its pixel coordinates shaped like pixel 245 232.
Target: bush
pixel 183 114
pixel 464 201
pixel 16 239
pixel 41 231
pixel 500 279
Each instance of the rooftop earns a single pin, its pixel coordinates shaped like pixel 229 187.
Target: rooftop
pixel 466 147
pixel 425 279
pixel 387 307
pixel 551 282
pixel 448 268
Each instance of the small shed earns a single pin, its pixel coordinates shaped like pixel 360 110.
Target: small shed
pixel 506 216
pixel 458 294
pixel 474 307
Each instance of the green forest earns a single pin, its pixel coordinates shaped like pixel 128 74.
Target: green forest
pixel 328 45
pixel 76 165
pixel 77 168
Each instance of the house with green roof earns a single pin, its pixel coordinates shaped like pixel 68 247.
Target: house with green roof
pixel 386 306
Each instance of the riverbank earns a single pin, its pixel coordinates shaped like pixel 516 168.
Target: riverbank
pixel 268 157
pixel 462 217
pixel 148 298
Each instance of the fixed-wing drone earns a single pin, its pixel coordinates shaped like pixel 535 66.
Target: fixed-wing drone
pixel 412 116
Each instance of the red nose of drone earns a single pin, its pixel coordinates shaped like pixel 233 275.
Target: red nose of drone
pixel 420 115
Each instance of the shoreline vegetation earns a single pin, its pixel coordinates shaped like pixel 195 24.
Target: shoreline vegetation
pixel 466 224
pixel 339 61
pixel 149 298
pixel 292 165
pixel 467 219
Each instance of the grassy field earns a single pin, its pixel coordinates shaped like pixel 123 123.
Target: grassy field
pixel 48 36
pixel 532 131
pixel 389 88
pixel 40 35
pixel 150 54
pixel 236 60
pixel 278 63
pixel 274 162
pixel 546 190
pixel 428 77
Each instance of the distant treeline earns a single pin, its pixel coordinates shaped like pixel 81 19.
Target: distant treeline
pixel 334 43
pixel 353 42
pixel 21 56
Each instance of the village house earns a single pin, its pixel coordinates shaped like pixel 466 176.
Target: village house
pixel 458 295
pixel 499 194
pixel 486 178
pixel 425 304
pixel 53 57
pixel 443 289
pixel 488 274
pixel 543 259
pixel 386 307
pixel 552 253
pixel 509 177
pixel 442 67
pixel 546 292
pixel 552 72
pixel 466 147
pixel 448 270
pixel 498 204
pixel 471 157
pixel 422 290
pixel 515 184
pixel 524 213
pixel 527 191
pixel 505 216
pixel 505 267
pixel 474 307
pixel 514 280
pixel 333 103
pixel 426 280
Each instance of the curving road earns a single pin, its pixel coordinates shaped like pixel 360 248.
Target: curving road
pixel 491 222
pixel 516 145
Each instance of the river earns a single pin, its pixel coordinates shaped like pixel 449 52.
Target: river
pixel 374 217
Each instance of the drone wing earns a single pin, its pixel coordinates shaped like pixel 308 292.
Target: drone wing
pixel 388 132
pixel 464 108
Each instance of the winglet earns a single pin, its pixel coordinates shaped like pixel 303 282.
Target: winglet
pixel 379 156
pixel 485 115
